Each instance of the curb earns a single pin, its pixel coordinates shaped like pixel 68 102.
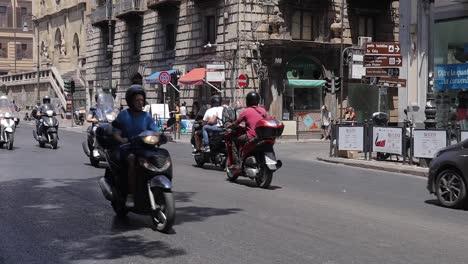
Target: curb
pixel 368 165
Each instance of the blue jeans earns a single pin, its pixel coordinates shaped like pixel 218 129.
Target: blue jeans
pixel 209 129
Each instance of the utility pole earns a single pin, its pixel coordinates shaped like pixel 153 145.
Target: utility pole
pixel 341 58
pixel 15 22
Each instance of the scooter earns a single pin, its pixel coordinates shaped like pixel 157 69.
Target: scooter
pixel 49 129
pixel 153 195
pixel 257 159
pixel 217 154
pixel 7 127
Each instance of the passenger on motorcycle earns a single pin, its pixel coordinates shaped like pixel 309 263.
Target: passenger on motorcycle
pixel 251 115
pixel 39 112
pixel 212 121
pixel 129 124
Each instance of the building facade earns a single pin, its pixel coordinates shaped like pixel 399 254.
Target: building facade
pixel 16 36
pixel 286 48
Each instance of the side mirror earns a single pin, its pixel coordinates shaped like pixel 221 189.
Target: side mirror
pixel 406 112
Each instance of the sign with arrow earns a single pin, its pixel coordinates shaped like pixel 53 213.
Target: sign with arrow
pixel 383 48
pixel 392 82
pixel 382 61
pixel 382 72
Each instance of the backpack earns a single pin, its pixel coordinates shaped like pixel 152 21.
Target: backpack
pixel 229 115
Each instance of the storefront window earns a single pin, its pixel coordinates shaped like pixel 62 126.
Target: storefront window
pixel 451 67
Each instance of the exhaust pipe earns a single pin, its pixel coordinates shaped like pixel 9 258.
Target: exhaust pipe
pixel 106 189
pixel 86 148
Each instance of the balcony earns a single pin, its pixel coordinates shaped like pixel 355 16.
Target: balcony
pixel 158 4
pixel 100 16
pixel 129 8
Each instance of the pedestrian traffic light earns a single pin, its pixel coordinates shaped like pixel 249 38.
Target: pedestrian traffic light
pixel 337 83
pixel 328 85
pixel 66 86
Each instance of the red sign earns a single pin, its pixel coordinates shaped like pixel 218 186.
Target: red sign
pixel 385 48
pixel 164 78
pixel 243 81
pixel 382 61
pixel 392 82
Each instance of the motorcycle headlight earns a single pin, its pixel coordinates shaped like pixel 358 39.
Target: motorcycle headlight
pixel 110 117
pixel 156 163
pixel 7 115
pixel 151 140
pixel 49 113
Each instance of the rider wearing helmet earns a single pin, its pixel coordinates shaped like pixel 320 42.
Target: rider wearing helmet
pixel 129 124
pixel 212 121
pixel 251 115
pixel 39 112
pixel 91 117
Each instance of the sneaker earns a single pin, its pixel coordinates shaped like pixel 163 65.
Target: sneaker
pixel 130 202
pixel 206 149
pixel 95 153
pixel 195 151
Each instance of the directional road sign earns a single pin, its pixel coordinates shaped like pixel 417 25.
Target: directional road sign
pixel 165 78
pixel 383 48
pixel 382 72
pixel 382 61
pixel 392 82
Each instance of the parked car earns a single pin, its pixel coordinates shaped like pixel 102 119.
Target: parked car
pixel 448 175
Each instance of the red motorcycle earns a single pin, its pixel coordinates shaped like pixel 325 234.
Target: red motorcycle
pixel 257 159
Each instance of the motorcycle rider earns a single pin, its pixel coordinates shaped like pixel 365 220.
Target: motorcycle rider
pixel 212 121
pixel 91 118
pixel 128 124
pixel 39 112
pixel 251 115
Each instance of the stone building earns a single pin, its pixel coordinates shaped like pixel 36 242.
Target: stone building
pixel 286 47
pixel 16 36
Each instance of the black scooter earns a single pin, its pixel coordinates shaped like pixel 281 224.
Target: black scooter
pixel 153 195
pixel 217 154
pixel 49 130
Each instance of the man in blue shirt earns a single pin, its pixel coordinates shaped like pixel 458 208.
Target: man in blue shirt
pixel 130 123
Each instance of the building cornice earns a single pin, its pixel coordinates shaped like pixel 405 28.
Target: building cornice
pixel 61 12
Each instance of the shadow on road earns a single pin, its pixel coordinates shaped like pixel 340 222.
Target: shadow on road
pixel 209 167
pixel 253 184
pixel 438 204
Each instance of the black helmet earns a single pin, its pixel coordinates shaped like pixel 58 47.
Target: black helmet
pixel 215 100
pixel 46 100
pixel 252 98
pixel 132 91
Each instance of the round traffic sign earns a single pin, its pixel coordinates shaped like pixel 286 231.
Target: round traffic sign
pixel 243 81
pixel 164 77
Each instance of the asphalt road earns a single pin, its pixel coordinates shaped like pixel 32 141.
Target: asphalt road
pixel 52 211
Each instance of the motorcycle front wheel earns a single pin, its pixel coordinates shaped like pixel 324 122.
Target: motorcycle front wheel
pixel 164 217
pixel 200 160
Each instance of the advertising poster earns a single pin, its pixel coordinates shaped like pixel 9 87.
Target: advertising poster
pixel 428 142
pixel 351 138
pixel 185 127
pixel 387 140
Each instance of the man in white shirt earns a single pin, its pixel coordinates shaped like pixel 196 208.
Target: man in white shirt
pixel 212 121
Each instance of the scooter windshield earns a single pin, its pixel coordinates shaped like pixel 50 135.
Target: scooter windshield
pixel 4 107
pixel 105 111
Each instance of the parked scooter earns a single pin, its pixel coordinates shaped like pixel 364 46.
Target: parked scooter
pixel 48 125
pixel 105 113
pixel 153 195
pixel 257 159
pixel 7 124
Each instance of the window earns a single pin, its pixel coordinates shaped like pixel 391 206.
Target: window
pixel 3 50
pixel 210 29
pixel 23 51
pixel 3 17
pixel 136 42
pixel 366 26
pixel 170 37
pixel 22 18
pixel 302 25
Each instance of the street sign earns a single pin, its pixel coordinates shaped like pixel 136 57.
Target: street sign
pixel 382 61
pixel 392 82
pixel 385 48
pixel 382 72
pixel 243 81
pixel 164 88
pixel 165 78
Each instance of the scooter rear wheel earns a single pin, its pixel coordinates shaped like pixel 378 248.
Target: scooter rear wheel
pixel 264 178
pixel 231 176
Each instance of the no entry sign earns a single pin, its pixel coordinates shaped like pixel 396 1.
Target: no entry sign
pixel 243 81
pixel 164 78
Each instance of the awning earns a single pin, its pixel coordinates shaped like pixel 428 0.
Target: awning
pixel 194 77
pixel 306 83
pixel 154 78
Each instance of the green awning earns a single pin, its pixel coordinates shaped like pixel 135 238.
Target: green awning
pixel 306 83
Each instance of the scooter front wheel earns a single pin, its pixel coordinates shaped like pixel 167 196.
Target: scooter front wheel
pixel 164 217
pixel 11 138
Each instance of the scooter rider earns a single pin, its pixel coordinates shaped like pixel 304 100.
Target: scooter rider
pixel 130 123
pixel 40 110
pixel 91 118
pixel 212 121
pixel 251 115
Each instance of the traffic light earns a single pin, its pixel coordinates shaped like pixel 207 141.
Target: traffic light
pixel 329 85
pixel 72 87
pixel 66 86
pixel 337 84
pixel 431 80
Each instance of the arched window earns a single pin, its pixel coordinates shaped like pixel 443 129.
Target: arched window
pixel 58 39
pixel 76 44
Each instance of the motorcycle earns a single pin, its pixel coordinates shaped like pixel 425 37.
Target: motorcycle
pixel 7 125
pixel 79 117
pixel 105 113
pixel 27 117
pixel 217 154
pixel 257 159
pixel 50 124
pixel 153 195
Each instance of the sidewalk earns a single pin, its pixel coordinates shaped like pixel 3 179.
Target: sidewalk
pixel 389 166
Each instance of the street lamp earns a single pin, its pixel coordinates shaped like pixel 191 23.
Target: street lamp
pixel 36 25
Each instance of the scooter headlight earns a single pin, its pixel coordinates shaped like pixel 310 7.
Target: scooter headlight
pixel 151 140
pixel 110 117
pixel 7 115
pixel 49 112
